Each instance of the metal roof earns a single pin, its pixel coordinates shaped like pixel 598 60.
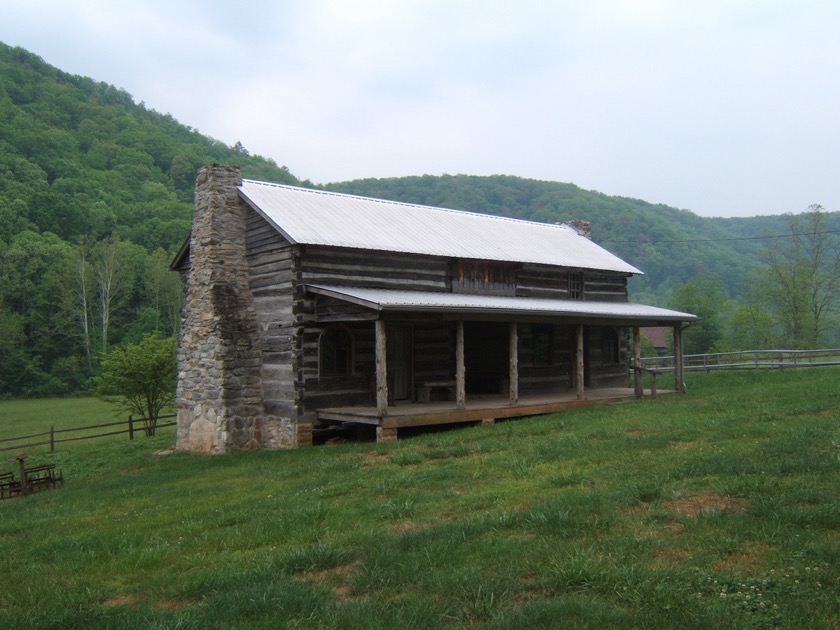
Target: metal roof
pixel 315 217
pixel 391 300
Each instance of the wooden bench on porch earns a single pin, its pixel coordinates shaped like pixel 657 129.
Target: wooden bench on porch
pixel 424 390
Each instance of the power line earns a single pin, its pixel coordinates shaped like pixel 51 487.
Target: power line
pixel 724 240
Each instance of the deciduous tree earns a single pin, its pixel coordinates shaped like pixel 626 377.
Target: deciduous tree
pixel 141 378
pixel 705 298
pixel 801 280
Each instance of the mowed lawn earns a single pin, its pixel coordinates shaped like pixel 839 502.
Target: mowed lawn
pixel 716 509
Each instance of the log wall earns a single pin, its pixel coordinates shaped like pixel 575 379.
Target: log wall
pixel 544 281
pixel 372 269
pixel 271 264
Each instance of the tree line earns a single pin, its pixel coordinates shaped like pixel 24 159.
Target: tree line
pixel 791 301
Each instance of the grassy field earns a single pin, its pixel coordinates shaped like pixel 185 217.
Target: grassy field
pixel 25 417
pixel 717 509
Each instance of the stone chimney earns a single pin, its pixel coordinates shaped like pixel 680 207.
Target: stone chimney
pixel 584 228
pixel 219 393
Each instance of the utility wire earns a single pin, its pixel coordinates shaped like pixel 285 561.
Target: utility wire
pixel 723 240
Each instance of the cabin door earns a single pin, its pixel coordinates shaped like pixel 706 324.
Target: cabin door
pixel 486 357
pixel 400 361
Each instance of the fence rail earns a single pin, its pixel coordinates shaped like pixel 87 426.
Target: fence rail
pixel 747 359
pixel 133 425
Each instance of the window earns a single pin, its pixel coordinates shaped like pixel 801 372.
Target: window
pixel 611 351
pixel 575 285
pixel 336 352
pixel 543 340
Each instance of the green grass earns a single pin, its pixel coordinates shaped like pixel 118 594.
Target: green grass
pixel 719 508
pixel 25 417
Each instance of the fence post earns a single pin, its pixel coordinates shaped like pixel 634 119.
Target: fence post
pixel 130 428
pixel 52 439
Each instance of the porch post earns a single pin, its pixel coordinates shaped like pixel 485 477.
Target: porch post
pixel 678 359
pixel 579 362
pixel 460 370
pixel 638 384
pixel 381 370
pixel 514 365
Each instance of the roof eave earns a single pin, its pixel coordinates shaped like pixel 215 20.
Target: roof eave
pixel 666 318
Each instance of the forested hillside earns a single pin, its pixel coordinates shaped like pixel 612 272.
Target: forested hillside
pixel 96 196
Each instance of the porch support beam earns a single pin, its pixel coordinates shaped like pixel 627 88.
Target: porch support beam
pixel 679 383
pixel 381 370
pixel 460 369
pixel 579 362
pixel 638 381
pixel 514 364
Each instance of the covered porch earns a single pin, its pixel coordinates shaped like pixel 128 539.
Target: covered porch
pixel 509 316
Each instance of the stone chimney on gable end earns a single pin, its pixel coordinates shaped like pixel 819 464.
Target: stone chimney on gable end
pixel 219 392
pixel 584 228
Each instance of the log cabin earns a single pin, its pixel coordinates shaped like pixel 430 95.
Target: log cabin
pixel 307 310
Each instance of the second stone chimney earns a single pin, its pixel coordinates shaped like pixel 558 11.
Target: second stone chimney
pixel 584 228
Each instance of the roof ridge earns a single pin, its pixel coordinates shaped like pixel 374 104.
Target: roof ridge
pixel 332 193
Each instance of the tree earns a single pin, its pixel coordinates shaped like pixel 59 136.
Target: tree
pixel 801 279
pixel 80 301
pixel 164 293
pixel 705 298
pixel 116 266
pixel 141 378
pixel 750 327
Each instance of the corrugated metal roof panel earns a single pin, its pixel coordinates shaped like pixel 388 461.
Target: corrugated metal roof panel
pixel 314 217
pixel 395 300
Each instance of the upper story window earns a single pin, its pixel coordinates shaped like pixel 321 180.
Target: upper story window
pixel 483 276
pixel 336 352
pixel 575 291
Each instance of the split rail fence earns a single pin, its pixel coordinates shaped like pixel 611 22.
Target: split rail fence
pixel 747 360
pixel 56 436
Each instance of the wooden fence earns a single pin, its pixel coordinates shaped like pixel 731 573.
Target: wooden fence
pixel 747 360
pixel 132 426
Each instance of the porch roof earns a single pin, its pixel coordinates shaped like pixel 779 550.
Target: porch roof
pixel 390 300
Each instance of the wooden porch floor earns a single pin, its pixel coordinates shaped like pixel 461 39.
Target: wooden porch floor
pixel 478 408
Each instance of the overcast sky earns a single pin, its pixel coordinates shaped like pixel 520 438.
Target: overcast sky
pixel 721 107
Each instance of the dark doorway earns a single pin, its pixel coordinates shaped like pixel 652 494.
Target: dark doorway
pixel 486 360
